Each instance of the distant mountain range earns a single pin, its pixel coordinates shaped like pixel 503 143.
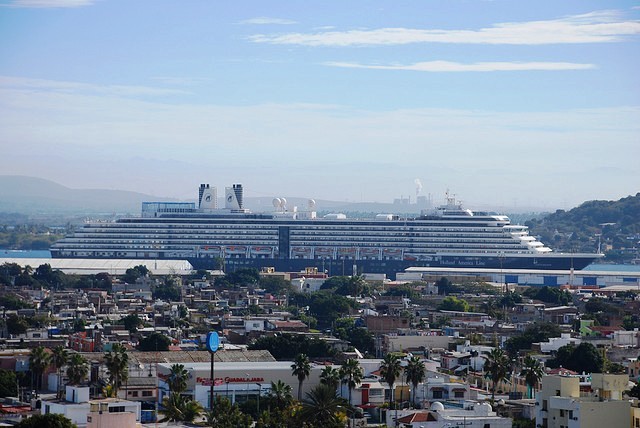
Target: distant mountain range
pixel 30 195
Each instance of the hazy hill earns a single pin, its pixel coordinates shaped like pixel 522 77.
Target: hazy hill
pixel 608 223
pixel 30 195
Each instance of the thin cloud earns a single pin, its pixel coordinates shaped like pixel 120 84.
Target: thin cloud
pixel 48 3
pixel 264 20
pixel 84 88
pixel 447 66
pixel 594 27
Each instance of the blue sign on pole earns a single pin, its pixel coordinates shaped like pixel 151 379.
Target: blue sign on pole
pixel 213 341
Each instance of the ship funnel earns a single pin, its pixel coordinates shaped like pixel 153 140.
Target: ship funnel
pixel 208 197
pixel 233 197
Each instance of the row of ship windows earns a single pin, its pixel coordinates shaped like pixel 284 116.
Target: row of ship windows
pixel 260 240
pixel 322 229
pixel 325 235
pixel 191 248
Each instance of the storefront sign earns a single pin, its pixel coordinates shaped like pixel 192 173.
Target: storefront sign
pixel 220 381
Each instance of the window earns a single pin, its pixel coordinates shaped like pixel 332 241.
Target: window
pixel 562 413
pixel 88 418
pixel 458 394
pixel 116 409
pixel 437 394
pixel 147 393
pixel 134 393
pixel 487 426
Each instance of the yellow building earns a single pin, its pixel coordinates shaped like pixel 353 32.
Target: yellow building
pixel 559 404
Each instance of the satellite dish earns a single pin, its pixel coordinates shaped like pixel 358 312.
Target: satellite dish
pixel 276 202
pixel 284 202
pixel 312 203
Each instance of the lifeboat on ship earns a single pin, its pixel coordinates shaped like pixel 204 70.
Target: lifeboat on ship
pixel 262 250
pixel 347 251
pixel 370 252
pixel 392 253
pixel 211 249
pixel 236 249
pixel 300 252
pixel 323 252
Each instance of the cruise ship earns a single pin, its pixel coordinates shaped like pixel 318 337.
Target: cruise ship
pixel 291 239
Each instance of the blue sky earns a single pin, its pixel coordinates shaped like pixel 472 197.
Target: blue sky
pixel 506 103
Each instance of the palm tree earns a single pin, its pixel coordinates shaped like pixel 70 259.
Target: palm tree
pixel 117 362
pixel 59 357
pixel 415 374
pixel 191 410
pixel 301 368
pixel 497 368
pixel 351 374
pixel 532 371
pixel 77 369
pixel 390 371
pixel 177 380
pixel 178 408
pixel 323 408
pixel 39 360
pixel 330 376
pixel 281 393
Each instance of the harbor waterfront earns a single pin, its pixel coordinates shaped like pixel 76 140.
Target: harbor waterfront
pixel 292 239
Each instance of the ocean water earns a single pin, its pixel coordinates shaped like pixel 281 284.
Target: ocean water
pixel 25 254
pixel 613 268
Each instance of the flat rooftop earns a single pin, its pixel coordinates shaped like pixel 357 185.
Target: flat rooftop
pixel 111 266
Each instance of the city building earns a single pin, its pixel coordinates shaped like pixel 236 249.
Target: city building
pixel 560 403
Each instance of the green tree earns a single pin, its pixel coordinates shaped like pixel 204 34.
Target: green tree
pixel 327 307
pixel 390 370
pixel 287 346
pixel 275 285
pixel 50 420
pixel 532 371
pixel 452 303
pixel 77 369
pixel 280 394
pixel 497 367
pixel 539 332
pixel 227 415
pixel 169 291
pixel 132 322
pixel 178 408
pixel 322 408
pixel 301 368
pixel 330 376
pixel 360 337
pixel 177 379
pixel 415 372
pixel 39 360
pixel 131 275
pixel 16 325
pixel 582 358
pixel 155 342
pixel 59 357
pixel 117 362
pixel 8 383
pixel 351 374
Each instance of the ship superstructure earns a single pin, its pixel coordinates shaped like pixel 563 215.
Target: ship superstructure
pixel 290 239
